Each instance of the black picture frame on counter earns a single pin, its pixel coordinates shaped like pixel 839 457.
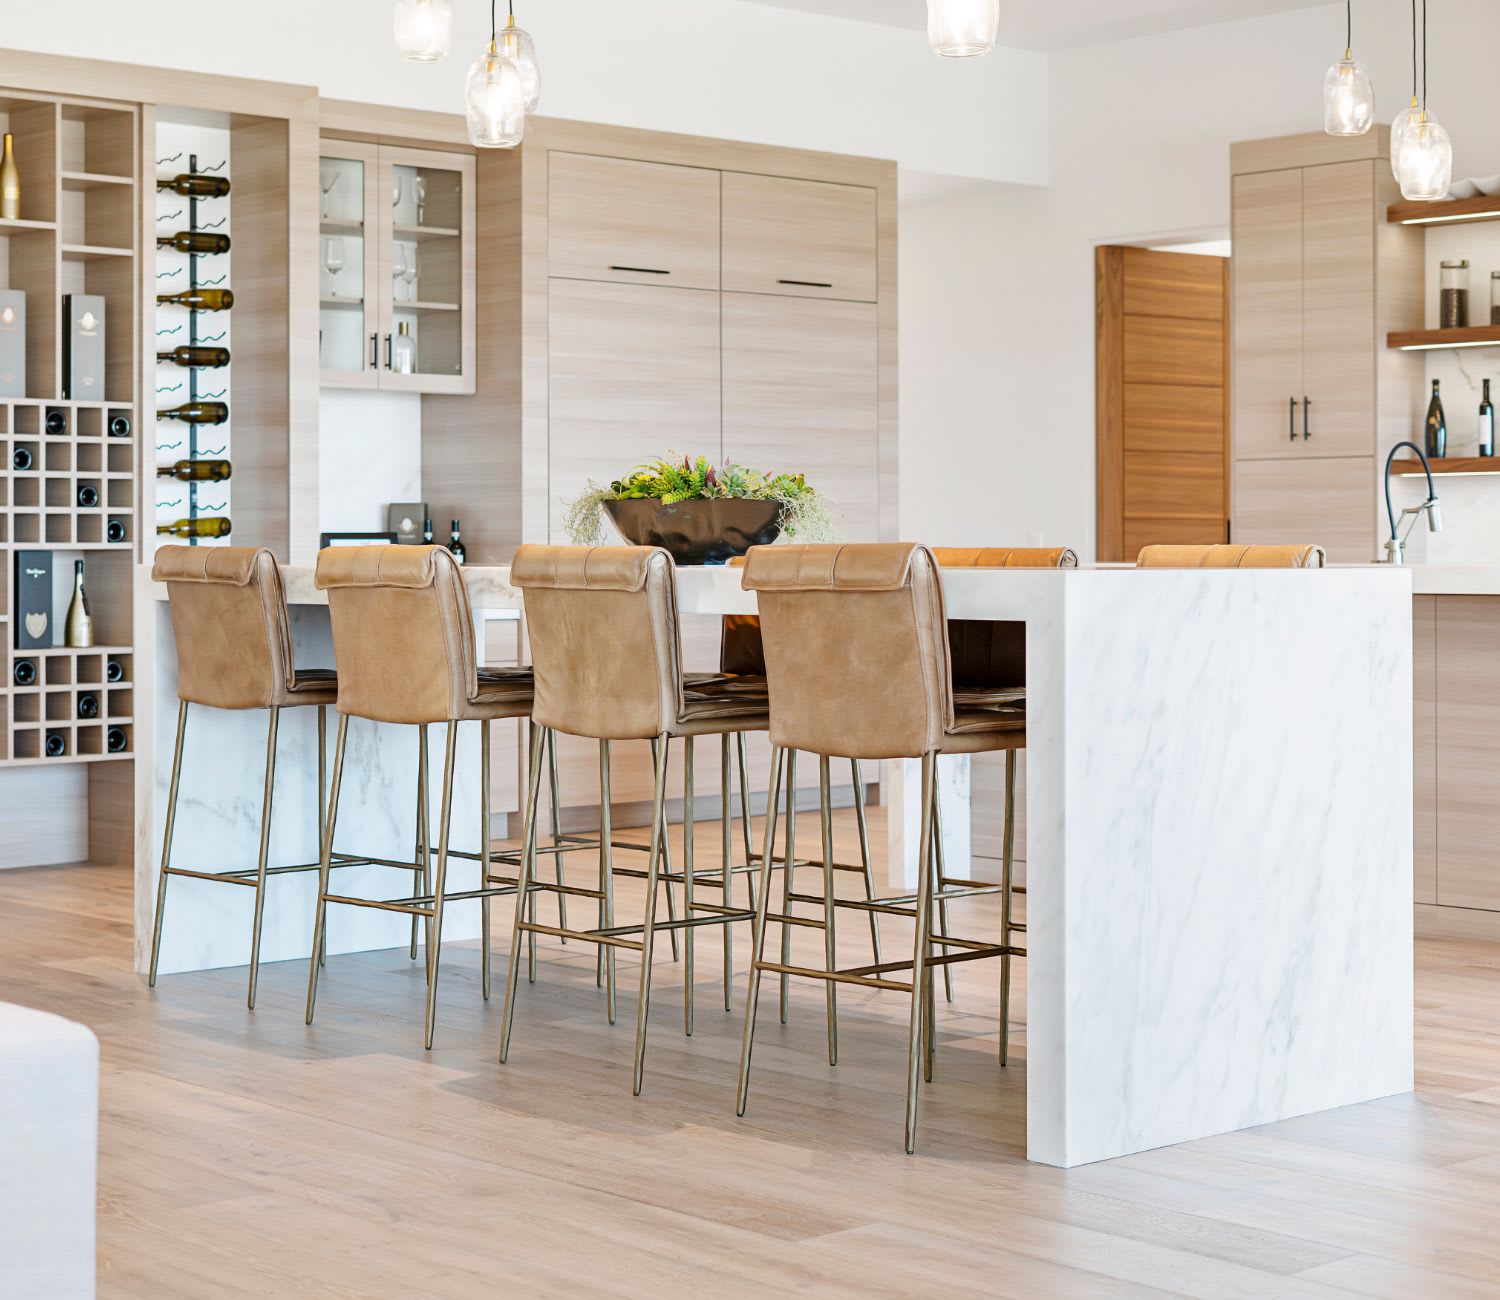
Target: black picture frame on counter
pixel 355 539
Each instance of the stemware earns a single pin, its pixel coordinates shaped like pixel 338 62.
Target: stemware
pixel 333 261
pixel 329 182
pixel 398 188
pixel 419 193
pixel 409 274
pixel 398 268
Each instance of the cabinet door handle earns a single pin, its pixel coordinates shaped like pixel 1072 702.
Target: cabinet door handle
pixel 374 351
pixel 387 351
pixel 641 270
pixel 1306 418
pixel 809 284
pixel 1291 418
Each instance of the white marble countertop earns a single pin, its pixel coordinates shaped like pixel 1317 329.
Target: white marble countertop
pixel 1445 579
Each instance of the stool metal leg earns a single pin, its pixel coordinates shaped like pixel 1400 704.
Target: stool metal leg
pixel 1006 883
pixel 919 953
pixel 787 870
pixel 320 918
pixel 739 739
pixel 419 871
pixel 864 854
pixel 484 855
pixel 166 841
pixel 687 884
pixel 942 903
pixel 435 939
pixel 758 929
pixel 825 796
pixel 523 881
pixel 726 848
pixel 606 878
pixel 557 858
pixel 322 789
pixel 265 849
pixel 658 857
pixel 666 848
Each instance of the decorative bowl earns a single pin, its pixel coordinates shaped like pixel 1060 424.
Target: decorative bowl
pixel 702 531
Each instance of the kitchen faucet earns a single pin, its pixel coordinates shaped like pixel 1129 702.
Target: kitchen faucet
pixel 1395 547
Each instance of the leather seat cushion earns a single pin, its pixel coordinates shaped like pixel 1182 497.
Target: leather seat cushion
pixel 980 730
pixel 979 697
pixel 312 686
pixel 714 703
pixel 502 693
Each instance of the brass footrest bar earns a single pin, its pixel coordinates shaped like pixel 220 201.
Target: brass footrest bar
pixel 379 904
pixel 782 918
pixel 249 875
pixel 779 859
pixel 548 887
pixel 726 917
pixel 227 878
pixel 837 976
pixel 590 936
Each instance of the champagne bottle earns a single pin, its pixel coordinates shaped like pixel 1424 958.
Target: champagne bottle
pixel 119 425
pixel 57 744
pixel 114 670
pixel 114 531
pixel 78 629
pixel 21 459
pixel 1486 423
pixel 1437 426
pixel 208 526
pixel 195 241
pixel 56 422
pixel 201 471
pixel 10 181
pixel 115 740
pixel 195 185
pixel 88 706
pixel 455 544
pixel 196 413
pixel 88 496
pixel 199 299
pixel 24 672
pixel 196 356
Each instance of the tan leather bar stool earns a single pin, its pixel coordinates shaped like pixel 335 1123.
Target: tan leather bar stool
pixel 234 651
pixel 846 627
pixel 404 641
pixel 607 662
pixel 1301 555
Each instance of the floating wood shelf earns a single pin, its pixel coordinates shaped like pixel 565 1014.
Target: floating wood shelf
pixel 418 308
pixel 1449 465
pixel 79 181
pixel 1483 207
pixel 92 252
pixel 418 234
pixel 334 226
pixel 1473 336
pixel 17 224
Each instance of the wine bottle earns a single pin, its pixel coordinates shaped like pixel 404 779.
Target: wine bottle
pixel 1437 426
pixel 1486 423
pixel 88 705
pixel 195 185
pixel 114 531
pixel 24 673
pixel 404 350
pixel 88 496
pixel 195 241
pixel 114 670
pixel 207 526
pixel 189 471
pixel 119 425
pixel 426 530
pixel 455 544
pixel 196 356
pixel 57 744
pixel 196 413
pixel 114 740
pixel 198 299
pixel 78 628
pixel 56 422
pixel 10 181
pixel 20 459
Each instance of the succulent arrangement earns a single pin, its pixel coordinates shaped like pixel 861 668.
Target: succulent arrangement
pixel 805 514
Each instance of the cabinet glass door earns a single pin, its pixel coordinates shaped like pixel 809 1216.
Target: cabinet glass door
pixel 348 255
pixel 426 214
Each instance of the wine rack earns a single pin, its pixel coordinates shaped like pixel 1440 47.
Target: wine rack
pixel 78 233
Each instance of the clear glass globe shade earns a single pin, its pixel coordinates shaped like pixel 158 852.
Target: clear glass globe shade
pixel 520 49
pixel 1404 119
pixel 961 29
pixel 423 29
pixel 1426 161
pixel 1348 99
pixel 495 102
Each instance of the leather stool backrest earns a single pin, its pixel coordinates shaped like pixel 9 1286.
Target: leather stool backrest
pixel 605 646
pixel 403 632
pixel 856 648
pixel 993 654
pixel 1221 556
pixel 229 618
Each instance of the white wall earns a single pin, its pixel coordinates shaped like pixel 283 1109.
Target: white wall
pixel 997 339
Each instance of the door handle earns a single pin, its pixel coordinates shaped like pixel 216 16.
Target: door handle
pixel 387 351
pixel 374 351
pixel 1306 418
pixel 1291 418
pixel 641 270
pixel 809 284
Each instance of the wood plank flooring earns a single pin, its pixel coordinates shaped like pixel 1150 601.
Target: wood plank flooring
pixel 247 1155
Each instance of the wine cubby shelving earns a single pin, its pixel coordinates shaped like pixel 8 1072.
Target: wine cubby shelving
pixel 78 232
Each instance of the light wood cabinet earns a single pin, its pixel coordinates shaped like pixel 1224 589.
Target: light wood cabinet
pixel 1328 502
pixel 396 271
pixel 637 222
pixel 799 238
pixel 800 381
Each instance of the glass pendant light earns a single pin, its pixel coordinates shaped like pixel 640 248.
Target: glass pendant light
pixel 1424 157
pixel 423 29
pixel 1348 96
pixel 962 29
pixel 495 98
pixel 520 49
pixel 1404 119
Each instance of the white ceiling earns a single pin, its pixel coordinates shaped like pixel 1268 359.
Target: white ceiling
pixel 1062 24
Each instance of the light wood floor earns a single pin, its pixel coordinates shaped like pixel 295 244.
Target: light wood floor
pixel 247 1155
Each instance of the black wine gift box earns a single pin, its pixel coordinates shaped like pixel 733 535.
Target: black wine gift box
pixel 33 600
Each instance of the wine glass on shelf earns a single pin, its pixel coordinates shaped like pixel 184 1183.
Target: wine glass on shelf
pixel 410 274
pixel 329 181
pixel 398 268
pixel 333 261
pixel 398 190
pixel 419 194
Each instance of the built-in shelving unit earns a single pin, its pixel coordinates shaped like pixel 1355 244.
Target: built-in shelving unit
pixel 1483 207
pixel 1472 336
pixel 1448 465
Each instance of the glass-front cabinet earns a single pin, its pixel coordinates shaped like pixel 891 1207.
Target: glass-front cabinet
pixel 396 273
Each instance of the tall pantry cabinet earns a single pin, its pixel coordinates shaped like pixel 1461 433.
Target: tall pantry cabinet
pixel 1318 278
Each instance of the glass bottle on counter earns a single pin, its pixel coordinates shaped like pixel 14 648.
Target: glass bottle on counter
pixel 1486 423
pixel 455 544
pixel 1437 426
pixel 1453 295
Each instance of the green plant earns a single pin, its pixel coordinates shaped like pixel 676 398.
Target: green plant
pixel 805 514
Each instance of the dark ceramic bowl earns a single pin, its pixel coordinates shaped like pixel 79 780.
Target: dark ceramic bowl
pixel 697 532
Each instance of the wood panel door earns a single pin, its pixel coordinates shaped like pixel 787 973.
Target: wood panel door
pixel 1468 744
pixel 1162 465
pixel 800 380
pixel 1338 310
pixel 1329 502
pixel 635 222
pixel 813 239
pixel 633 373
pixel 1267 313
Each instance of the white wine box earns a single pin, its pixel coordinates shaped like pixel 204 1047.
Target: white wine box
pixel 12 343
pixel 83 347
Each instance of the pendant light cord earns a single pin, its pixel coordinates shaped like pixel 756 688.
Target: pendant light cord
pixel 1424 55
pixel 1413 51
pixel 1348 26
